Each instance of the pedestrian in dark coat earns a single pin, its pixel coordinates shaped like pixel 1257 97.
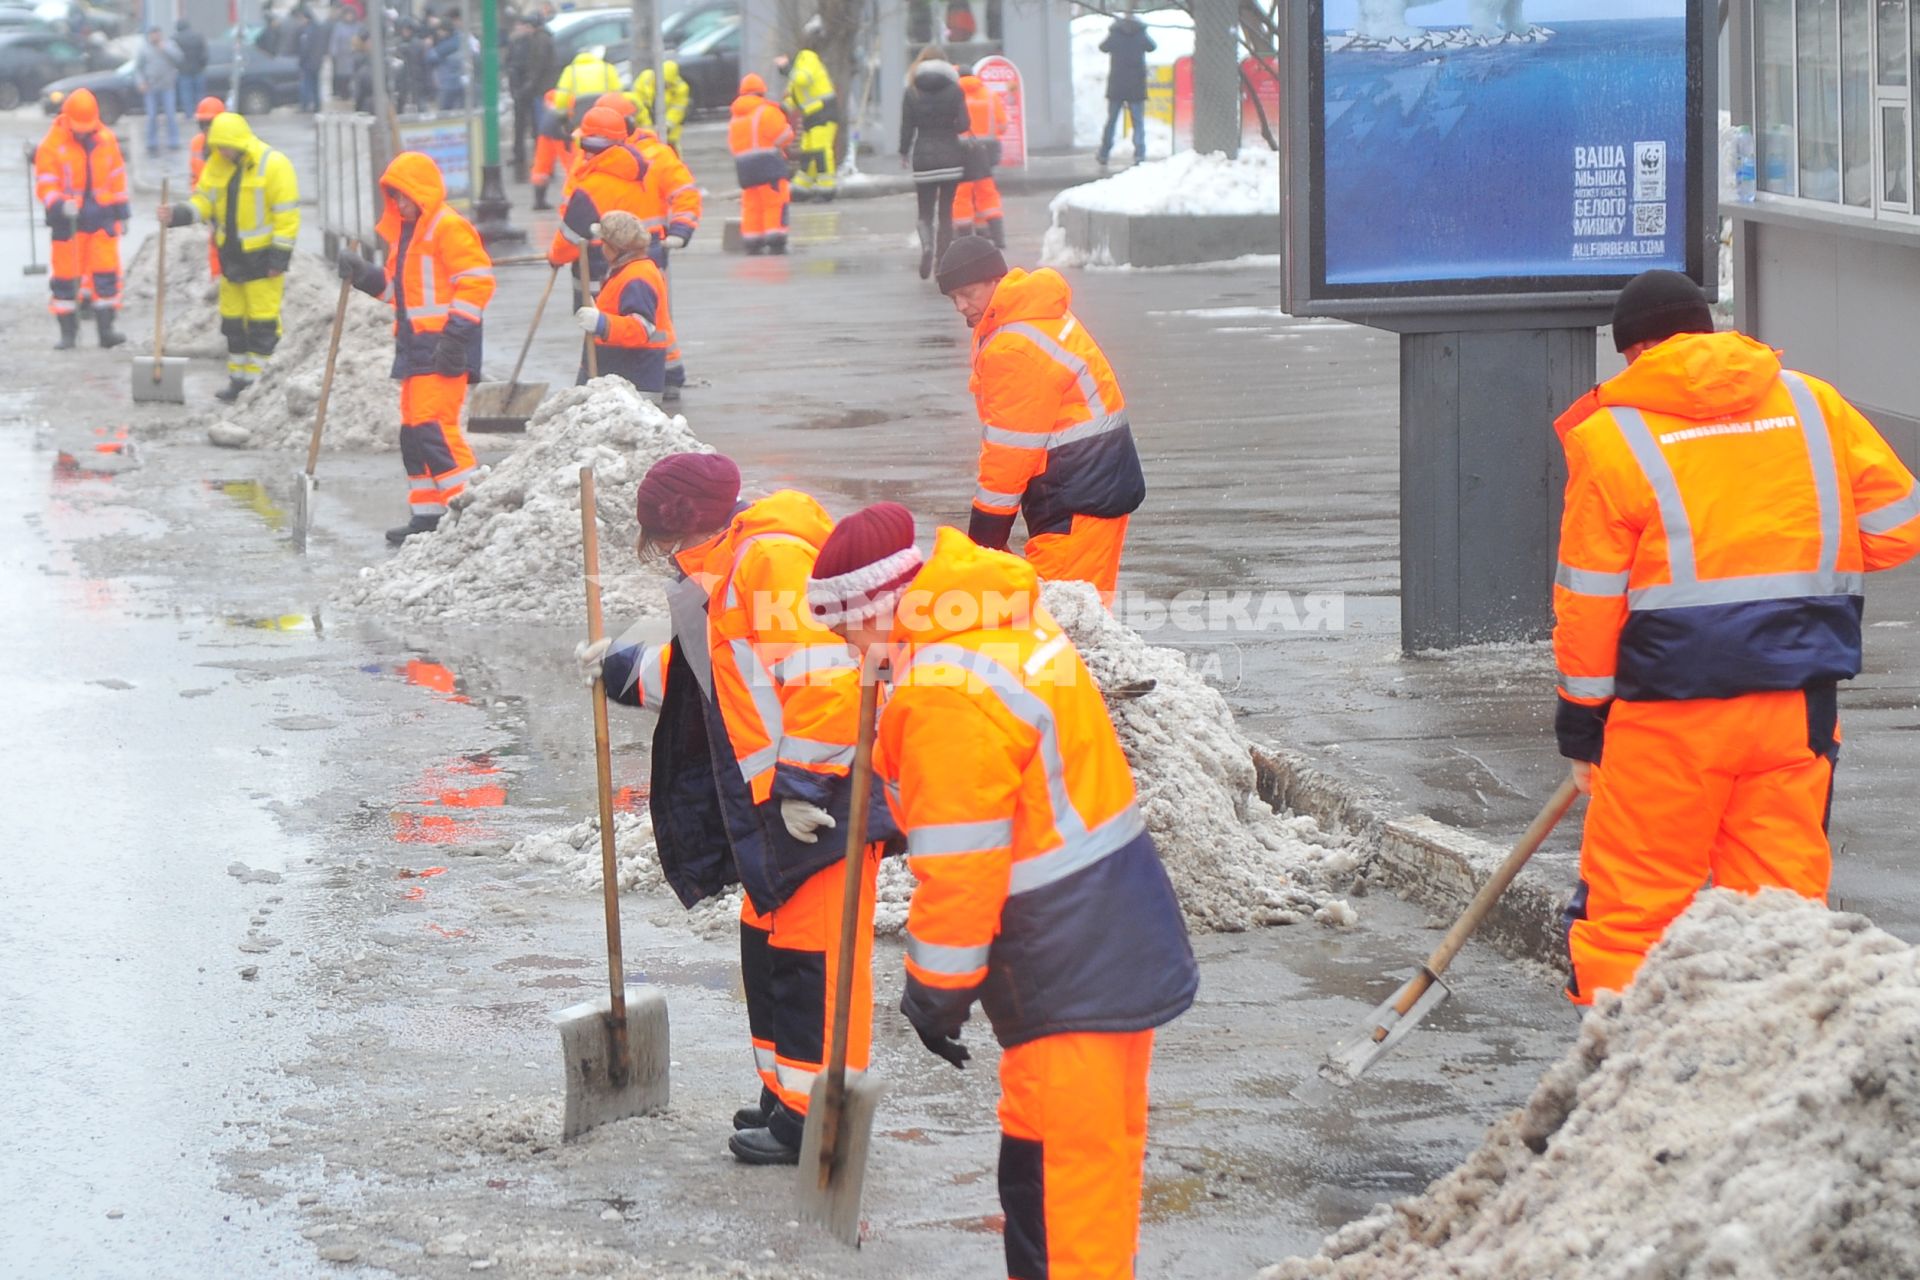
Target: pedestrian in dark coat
pixel 1126 46
pixel 933 119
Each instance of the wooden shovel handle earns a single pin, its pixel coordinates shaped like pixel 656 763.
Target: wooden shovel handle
pixel 603 771
pixel 586 300
pixel 160 293
pixel 856 867
pixel 538 311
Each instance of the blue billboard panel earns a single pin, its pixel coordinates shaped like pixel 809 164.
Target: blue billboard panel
pixel 1502 146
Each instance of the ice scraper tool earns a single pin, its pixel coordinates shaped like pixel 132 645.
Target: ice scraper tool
pixel 160 377
pixel 615 1049
pixel 1424 992
pixel 839 1132
pixel 305 482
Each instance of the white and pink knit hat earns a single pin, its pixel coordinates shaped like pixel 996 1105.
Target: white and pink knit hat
pixel 867 562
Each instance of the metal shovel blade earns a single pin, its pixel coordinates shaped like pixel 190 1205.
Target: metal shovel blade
pixel 497 407
pixel 597 1093
pixel 834 1201
pixel 1384 1028
pixel 162 380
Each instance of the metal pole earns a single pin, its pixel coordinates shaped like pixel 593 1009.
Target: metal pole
pixel 491 209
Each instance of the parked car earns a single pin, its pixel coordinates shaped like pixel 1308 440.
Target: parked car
pixel 30 59
pixel 266 82
pixel 710 64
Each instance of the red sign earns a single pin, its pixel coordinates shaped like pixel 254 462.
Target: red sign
pixel 1003 78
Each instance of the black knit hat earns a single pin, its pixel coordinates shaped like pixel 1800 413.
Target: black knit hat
pixel 969 260
pixel 1655 306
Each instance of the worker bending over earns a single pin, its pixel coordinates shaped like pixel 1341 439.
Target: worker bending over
pixel 1039 894
pixel 758 135
pixel 248 194
pixel 439 279
pixel 80 179
pixel 1054 440
pixel 630 323
pixel 1721 515
pixel 752 762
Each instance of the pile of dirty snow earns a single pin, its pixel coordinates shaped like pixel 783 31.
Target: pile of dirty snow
pixel 363 412
pixel 1747 1109
pixel 511 548
pixel 1235 862
pixel 1172 33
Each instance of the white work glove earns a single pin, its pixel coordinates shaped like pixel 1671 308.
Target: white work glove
pixel 591 657
pixel 804 820
pixel 590 321
pixel 676 242
pixel 71 208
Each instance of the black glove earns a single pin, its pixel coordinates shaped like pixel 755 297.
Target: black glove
pixel 450 356
pixel 946 1046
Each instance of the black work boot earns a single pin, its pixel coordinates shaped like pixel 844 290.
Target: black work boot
pixel 419 524
pixel 759 1146
pixel 109 336
pixel 231 392
pixel 926 249
pixel 755 1116
pixel 69 333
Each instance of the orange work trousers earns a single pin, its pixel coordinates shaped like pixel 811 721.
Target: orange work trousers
pixel 84 267
pixel 975 204
pixel 756 977
pixel 1087 552
pixel 432 445
pixel 1732 789
pixel 763 214
pixel 548 154
pixel 805 959
pixel 1073 1138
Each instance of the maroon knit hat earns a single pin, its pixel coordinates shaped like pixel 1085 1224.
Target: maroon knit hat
pixel 687 493
pixel 866 563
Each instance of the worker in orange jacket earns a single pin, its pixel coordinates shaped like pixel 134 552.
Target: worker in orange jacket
pixel 439 278
pixel 203 115
pixel 552 143
pixel 758 714
pixel 759 135
pixel 630 323
pixel 976 201
pixel 1040 893
pixel 1055 444
pixel 1721 515
pixel 80 179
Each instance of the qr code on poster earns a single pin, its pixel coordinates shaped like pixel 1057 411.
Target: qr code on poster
pixel 1650 219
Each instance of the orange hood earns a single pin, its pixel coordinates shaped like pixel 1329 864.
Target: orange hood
pixel 1696 375
pixel 1039 295
pixel 416 177
pixel 964 587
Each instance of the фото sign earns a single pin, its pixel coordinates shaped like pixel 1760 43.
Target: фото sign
pixel 1474 150
pixel 1002 77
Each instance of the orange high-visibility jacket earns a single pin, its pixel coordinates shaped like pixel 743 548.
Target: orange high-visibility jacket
pixel 439 277
pixel 1054 439
pixel 1721 513
pixel 1040 891
pixel 676 195
pixel 603 181
pixel 758 135
pixel 91 173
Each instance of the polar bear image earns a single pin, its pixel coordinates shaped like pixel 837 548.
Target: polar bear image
pixel 1387 19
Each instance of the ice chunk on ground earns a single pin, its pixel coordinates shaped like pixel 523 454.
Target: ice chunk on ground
pixel 1749 1108
pixel 512 549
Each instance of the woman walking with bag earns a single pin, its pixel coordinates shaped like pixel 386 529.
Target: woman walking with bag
pixel 933 120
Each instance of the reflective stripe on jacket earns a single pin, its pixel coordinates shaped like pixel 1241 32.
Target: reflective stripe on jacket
pixel 1721 514
pixel 758 135
pixel 1040 891
pixel 1055 442
pixel 439 277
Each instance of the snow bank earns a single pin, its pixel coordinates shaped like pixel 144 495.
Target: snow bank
pixel 1748 1109
pixel 1172 32
pixel 1235 862
pixel 512 548
pixel 1186 184
pixel 277 413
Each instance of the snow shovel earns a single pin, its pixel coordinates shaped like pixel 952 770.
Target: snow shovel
pixel 615 1049
pixel 506 406
pixel 1424 992
pixel 839 1132
pixel 162 377
pixel 303 490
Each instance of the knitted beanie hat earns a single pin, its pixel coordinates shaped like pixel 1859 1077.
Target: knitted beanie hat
pixel 687 493
pixel 867 561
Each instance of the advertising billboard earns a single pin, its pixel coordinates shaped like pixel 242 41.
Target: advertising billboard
pixel 1466 152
